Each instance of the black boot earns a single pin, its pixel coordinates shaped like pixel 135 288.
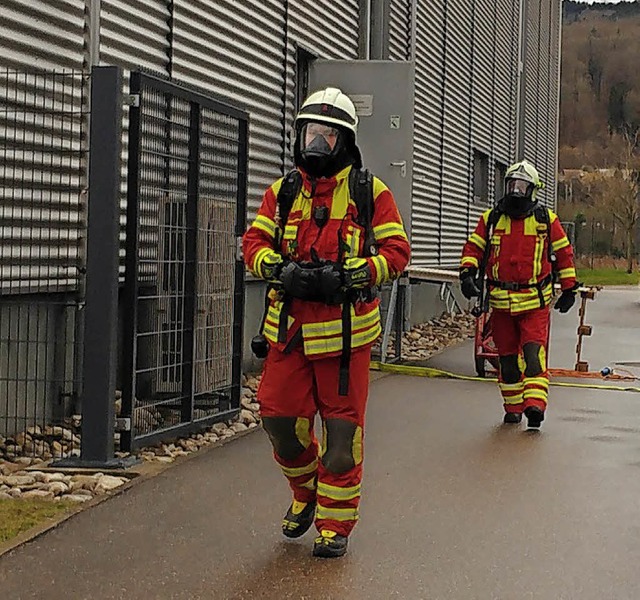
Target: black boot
pixel 297 523
pixel 534 417
pixel 330 544
pixel 512 418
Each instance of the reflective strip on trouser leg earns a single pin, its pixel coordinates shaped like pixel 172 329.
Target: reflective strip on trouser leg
pixel 509 381
pixel 339 476
pixel 536 376
pixel 296 451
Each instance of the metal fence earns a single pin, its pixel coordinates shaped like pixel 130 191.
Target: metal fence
pixel 43 178
pixel 184 281
pixel 69 333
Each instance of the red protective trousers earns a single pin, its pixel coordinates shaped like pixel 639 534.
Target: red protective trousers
pixel 510 334
pixel 294 386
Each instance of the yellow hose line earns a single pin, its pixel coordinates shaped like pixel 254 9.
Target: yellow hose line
pixel 430 372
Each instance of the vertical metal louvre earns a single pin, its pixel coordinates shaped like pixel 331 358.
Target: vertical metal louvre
pixel 400 29
pixel 456 162
pixel 237 50
pixel 429 59
pixel 41 34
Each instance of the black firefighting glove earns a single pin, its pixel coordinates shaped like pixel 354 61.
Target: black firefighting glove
pixel 298 281
pixel 566 301
pixel 330 279
pixel 270 266
pixel 468 282
pixel 356 273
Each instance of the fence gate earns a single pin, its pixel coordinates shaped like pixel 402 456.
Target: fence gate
pixel 184 279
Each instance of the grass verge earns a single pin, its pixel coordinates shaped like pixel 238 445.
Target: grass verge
pixel 17 516
pixel 607 277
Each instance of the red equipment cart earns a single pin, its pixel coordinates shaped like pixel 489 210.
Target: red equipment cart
pixel 484 348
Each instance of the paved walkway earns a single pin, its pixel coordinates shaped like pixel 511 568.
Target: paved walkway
pixel 455 506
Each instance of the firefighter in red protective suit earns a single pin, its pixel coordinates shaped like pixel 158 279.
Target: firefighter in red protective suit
pixel 520 247
pixel 322 317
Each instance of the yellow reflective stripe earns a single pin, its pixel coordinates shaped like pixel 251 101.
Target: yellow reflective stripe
pixel 560 244
pixel 356 445
pixel 349 242
pixel 382 268
pixel 469 261
pixel 330 328
pixel 537 260
pixel 270 332
pixel 356 263
pixel 388 230
pixel 566 273
pixel 298 471
pixel 355 247
pixel 334 344
pixel 257 261
pixel 265 224
pixel 541 381
pixel 512 399
pixel 341 197
pixel 338 493
pixel 478 241
pixel 310 485
pixel 290 232
pixel 303 432
pixel 509 387
pixel 535 393
pixel 337 514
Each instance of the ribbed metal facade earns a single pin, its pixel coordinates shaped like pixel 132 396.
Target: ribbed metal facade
pixel 541 69
pixel 428 115
pixel 400 29
pixel 466 57
pixel 135 34
pixel 41 34
pixel 466 104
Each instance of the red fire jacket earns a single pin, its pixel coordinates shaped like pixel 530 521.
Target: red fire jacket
pixel 321 324
pixel 518 255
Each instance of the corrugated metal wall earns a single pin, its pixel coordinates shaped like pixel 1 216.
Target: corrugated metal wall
pixel 135 34
pixel 42 167
pixel 466 63
pixel 429 57
pixel 41 34
pixel 237 50
pixel 400 27
pixel 542 91
pixel 326 29
pixel 246 52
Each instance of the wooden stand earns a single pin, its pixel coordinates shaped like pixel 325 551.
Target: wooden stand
pixel 583 330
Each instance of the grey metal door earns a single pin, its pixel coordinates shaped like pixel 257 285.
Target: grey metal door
pixel 383 94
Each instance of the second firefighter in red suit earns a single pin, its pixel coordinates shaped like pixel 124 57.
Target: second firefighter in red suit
pixel 321 274
pixel 520 245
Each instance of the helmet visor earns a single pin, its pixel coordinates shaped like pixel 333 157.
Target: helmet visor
pixel 519 187
pixel 313 133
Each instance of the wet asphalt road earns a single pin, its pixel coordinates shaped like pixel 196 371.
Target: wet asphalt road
pixel 454 506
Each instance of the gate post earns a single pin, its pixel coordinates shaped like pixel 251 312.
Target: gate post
pixel 101 310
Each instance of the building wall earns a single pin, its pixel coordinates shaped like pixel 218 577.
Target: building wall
pixel 466 55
